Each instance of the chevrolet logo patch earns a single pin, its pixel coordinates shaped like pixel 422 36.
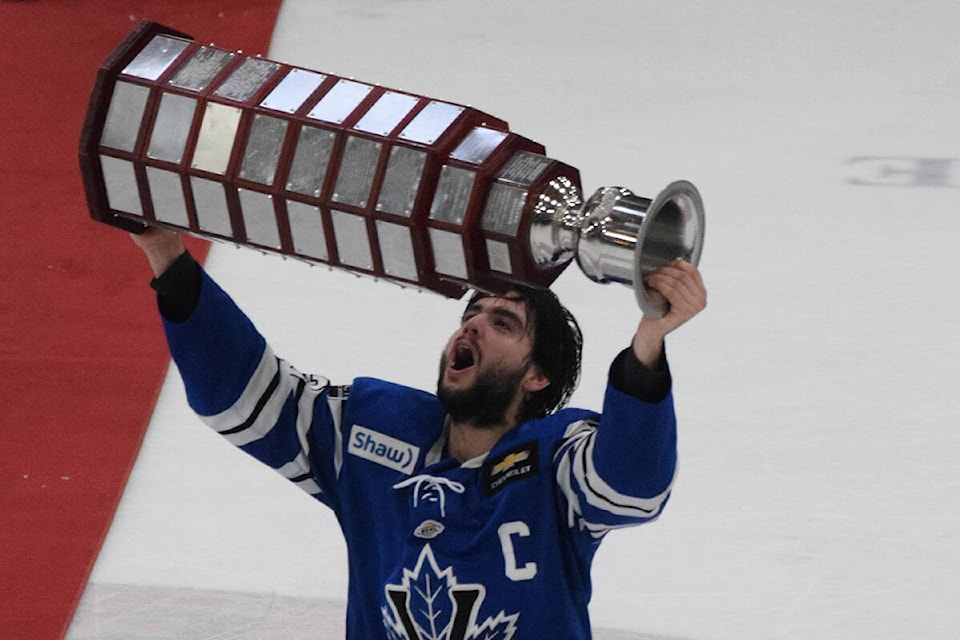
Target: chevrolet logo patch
pixel 516 464
pixel 510 460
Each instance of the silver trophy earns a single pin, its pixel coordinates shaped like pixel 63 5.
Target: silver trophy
pixel 401 187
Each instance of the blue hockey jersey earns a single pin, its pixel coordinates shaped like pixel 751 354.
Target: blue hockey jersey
pixel 498 547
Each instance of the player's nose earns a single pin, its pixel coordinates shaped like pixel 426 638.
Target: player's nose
pixel 473 325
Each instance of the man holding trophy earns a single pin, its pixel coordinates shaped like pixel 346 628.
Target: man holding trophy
pixel 471 512
pixel 465 518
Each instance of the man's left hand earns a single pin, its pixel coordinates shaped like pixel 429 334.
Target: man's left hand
pixel 681 286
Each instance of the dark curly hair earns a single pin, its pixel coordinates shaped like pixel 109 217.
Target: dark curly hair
pixel 557 348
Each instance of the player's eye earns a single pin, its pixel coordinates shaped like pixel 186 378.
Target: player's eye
pixel 506 324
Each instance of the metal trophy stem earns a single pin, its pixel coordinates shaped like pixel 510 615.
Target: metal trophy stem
pixel 405 188
pixel 618 236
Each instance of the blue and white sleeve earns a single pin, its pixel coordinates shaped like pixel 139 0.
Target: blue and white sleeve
pixel 256 400
pixel 618 472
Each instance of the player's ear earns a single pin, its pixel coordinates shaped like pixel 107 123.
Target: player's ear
pixel 534 380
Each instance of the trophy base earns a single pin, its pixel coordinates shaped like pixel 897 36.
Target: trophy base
pixel 625 237
pixel 672 229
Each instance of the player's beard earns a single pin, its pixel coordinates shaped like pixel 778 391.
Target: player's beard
pixel 485 402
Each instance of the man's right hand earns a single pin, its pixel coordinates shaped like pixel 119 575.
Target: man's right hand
pixel 161 247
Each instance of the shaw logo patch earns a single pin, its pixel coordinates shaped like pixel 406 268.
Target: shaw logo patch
pixel 516 464
pixel 376 447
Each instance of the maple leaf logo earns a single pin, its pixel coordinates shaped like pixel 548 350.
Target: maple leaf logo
pixel 429 604
pixel 501 627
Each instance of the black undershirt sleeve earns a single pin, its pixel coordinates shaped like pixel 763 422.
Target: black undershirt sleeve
pixel 629 375
pixel 178 288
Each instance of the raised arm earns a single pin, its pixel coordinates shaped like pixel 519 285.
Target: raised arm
pixel 620 472
pixel 234 381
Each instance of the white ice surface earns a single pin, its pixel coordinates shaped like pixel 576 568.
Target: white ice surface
pixel 817 393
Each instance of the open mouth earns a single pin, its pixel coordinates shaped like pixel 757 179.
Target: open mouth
pixel 462 358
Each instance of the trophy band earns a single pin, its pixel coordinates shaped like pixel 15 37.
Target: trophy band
pixel 420 192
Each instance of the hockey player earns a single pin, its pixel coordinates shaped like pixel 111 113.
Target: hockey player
pixel 473 513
